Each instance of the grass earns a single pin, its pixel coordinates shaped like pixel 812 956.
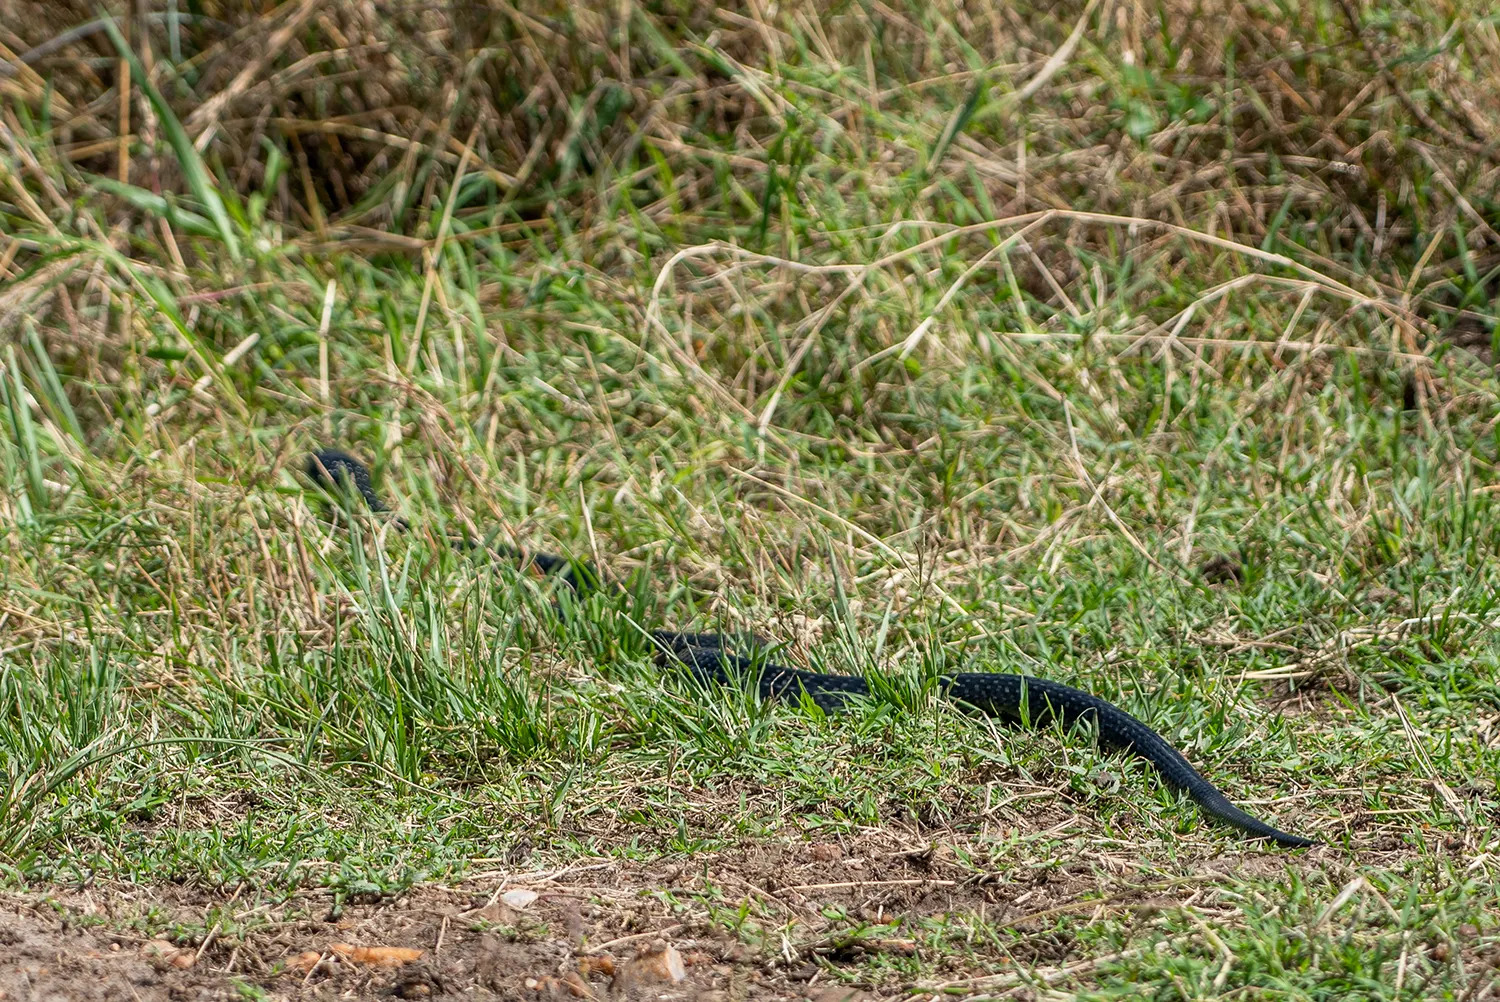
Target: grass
pixel 846 343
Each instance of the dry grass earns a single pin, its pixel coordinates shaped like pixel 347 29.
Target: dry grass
pixel 916 336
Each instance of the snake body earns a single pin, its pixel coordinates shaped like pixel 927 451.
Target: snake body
pixel 1013 698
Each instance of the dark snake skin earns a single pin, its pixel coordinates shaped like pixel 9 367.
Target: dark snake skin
pixel 1014 698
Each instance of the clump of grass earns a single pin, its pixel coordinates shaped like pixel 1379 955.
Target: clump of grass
pixel 917 338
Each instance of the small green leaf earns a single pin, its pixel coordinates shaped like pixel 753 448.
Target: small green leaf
pixel 1140 120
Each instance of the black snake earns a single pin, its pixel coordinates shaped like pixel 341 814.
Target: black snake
pixel 1014 698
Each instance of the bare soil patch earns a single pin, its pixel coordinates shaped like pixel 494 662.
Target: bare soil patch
pixel 778 921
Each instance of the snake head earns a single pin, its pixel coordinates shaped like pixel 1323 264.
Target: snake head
pixel 337 472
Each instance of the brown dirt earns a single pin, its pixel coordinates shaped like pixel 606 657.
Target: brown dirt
pixel 601 929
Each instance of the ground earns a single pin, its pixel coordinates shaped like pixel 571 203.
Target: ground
pixel 823 912
pixel 1146 348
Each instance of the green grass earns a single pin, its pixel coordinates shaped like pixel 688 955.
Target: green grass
pixel 881 405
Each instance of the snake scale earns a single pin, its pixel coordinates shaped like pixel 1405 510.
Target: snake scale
pixel 1013 698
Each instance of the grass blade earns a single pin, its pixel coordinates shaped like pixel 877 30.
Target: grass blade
pixel 200 182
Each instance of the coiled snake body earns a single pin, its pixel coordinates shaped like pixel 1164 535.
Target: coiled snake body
pixel 1014 698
